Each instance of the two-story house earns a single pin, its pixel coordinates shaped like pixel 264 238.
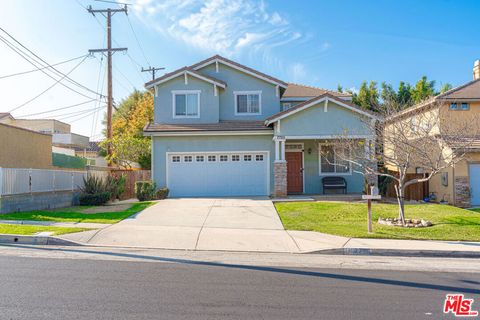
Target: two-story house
pixel 455 111
pixel 223 129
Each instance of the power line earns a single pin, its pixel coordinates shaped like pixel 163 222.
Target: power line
pixel 50 87
pixel 138 42
pixel 34 70
pixel 51 67
pixel 58 109
pixel 74 113
pixel 29 60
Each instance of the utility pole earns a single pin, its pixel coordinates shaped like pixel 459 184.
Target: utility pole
pixel 108 13
pixel 152 70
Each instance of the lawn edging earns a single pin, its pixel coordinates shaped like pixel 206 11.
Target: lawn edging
pixel 398 253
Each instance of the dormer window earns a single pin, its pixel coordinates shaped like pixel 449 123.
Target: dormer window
pixel 186 103
pixel 248 102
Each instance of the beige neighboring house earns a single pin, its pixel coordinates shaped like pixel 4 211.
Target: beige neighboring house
pixel 23 148
pixel 459 184
pixel 63 140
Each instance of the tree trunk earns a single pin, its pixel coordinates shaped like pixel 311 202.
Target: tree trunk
pixel 400 189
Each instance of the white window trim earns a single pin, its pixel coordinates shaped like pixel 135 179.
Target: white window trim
pixel 237 93
pixel 177 92
pixel 320 173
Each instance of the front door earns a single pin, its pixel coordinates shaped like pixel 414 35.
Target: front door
pixel 475 184
pixel 294 172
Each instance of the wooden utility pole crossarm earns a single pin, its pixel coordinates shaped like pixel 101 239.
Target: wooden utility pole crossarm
pixel 152 70
pixel 108 13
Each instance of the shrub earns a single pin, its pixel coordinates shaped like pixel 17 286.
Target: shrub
pixel 116 185
pixel 145 190
pixel 95 199
pixel 162 193
pixel 94 192
pixel 92 185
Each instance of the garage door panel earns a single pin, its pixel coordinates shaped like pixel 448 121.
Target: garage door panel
pixel 219 174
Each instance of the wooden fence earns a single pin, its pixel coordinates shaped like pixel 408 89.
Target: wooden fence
pixel 416 191
pixel 132 176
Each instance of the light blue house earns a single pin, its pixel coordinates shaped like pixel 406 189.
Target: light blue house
pixel 223 129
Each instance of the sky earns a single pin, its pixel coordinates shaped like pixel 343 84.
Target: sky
pixel 319 43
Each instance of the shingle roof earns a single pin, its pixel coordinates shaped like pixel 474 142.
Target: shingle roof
pixel 220 126
pixel 300 90
pixel 93 146
pixel 467 91
pixel 466 143
pixel 320 97
pixel 181 70
pixel 241 66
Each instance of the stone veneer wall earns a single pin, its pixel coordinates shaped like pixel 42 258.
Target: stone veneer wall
pixel 280 176
pixel 462 192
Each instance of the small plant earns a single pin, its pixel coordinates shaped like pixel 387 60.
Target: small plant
pixel 116 186
pixel 162 193
pixel 145 190
pixel 94 192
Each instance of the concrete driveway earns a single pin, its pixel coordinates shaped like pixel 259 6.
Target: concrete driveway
pixel 203 224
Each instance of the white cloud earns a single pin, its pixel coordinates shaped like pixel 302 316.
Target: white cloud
pixel 218 26
pixel 298 72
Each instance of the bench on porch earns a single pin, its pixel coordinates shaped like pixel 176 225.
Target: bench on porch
pixel 334 183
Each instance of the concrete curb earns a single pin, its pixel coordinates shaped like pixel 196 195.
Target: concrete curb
pixel 398 253
pixel 36 240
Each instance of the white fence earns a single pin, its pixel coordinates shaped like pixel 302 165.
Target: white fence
pixel 18 181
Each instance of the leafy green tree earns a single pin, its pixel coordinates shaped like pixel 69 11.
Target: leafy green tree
pixel 367 96
pixel 423 89
pixel 404 94
pixel 445 88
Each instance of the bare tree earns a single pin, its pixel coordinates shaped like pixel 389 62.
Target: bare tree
pixel 426 138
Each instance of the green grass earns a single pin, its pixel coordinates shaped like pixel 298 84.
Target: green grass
pixel 31 230
pixel 350 220
pixel 73 214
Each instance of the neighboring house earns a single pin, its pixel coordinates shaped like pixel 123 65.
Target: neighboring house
pixel 63 141
pixel 223 129
pixel 460 184
pixel 23 148
pixel 93 154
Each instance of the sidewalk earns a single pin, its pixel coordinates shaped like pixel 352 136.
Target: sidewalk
pixel 319 243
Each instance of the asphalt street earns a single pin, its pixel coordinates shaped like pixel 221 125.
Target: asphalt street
pixel 53 288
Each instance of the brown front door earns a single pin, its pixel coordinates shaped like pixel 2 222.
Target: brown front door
pixel 294 172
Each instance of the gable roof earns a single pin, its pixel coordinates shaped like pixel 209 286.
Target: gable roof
pixel 300 90
pixel 5 114
pixel 315 101
pixel 185 70
pixel 241 67
pixel 469 91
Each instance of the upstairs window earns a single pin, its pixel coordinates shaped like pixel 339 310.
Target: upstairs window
pixel 248 102
pixel 465 106
pixel 186 104
pixel 453 106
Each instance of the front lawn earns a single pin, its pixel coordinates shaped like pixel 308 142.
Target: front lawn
pixel 79 214
pixel 350 220
pixel 31 230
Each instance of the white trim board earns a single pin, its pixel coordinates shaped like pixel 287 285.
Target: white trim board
pixel 185 73
pixel 240 69
pixel 208 133
pixel 313 103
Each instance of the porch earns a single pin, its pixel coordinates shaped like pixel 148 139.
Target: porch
pixel 301 163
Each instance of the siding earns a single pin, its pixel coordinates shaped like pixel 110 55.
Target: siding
pixel 239 81
pixel 314 121
pixel 163 112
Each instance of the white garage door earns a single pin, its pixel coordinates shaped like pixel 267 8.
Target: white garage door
pixel 218 174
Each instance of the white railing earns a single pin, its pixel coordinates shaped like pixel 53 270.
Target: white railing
pixel 18 181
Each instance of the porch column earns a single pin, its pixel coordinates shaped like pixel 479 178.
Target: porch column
pixel 280 168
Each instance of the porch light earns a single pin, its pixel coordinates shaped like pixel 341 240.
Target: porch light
pixel 309 150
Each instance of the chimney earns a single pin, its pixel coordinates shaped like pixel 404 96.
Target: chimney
pixel 476 70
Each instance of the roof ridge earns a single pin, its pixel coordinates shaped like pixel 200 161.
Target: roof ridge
pixel 446 93
pixel 319 88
